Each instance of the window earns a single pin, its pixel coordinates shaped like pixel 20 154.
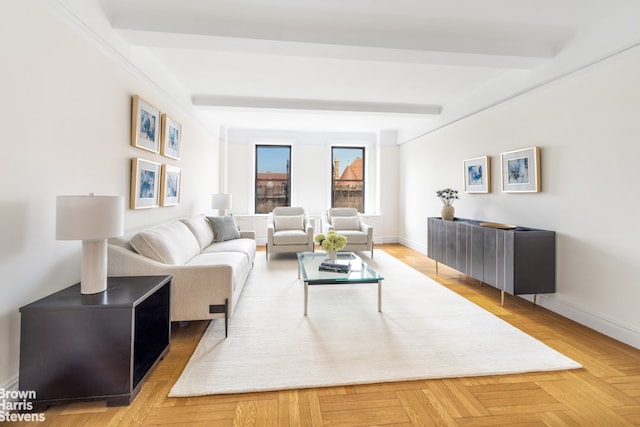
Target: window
pixel 347 178
pixel 273 177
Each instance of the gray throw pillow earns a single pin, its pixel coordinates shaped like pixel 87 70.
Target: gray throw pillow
pixel 224 228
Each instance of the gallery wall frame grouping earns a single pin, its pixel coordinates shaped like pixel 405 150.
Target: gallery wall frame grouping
pixel 154 184
pixel 520 172
pixel 153 131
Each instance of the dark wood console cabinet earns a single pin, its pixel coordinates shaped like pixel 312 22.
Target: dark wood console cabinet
pixel 517 261
pixel 76 347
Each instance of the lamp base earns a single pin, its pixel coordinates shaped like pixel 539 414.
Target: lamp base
pixel 94 266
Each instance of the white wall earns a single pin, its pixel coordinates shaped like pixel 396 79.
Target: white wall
pixel 587 126
pixel 311 170
pixel 65 110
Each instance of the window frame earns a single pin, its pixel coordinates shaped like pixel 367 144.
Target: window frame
pixel 257 180
pixel 333 180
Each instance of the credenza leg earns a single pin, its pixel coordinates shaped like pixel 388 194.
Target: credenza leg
pixel 501 298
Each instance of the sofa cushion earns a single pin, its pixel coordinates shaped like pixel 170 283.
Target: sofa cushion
pixel 224 228
pixel 170 243
pixel 244 246
pixel 201 228
pixel 289 222
pixel 346 222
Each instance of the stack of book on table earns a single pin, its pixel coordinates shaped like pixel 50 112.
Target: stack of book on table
pixel 336 265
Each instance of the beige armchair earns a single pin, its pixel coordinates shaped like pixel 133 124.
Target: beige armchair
pixel 289 230
pixel 347 221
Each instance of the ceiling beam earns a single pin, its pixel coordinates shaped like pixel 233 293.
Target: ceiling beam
pixel 313 105
pixel 476 53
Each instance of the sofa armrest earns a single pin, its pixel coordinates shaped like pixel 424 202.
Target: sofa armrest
pixel 248 234
pixel 193 288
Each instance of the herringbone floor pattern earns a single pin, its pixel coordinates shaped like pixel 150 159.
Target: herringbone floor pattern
pixel 605 393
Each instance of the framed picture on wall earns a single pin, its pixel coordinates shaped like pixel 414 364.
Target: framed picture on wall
pixel 477 175
pixel 170 195
pixel 145 125
pixel 171 138
pixel 145 184
pixel 521 170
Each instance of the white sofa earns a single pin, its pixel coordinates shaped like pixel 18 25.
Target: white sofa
pixel 208 274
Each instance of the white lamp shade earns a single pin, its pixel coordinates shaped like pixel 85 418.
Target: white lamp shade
pixel 221 201
pixel 89 217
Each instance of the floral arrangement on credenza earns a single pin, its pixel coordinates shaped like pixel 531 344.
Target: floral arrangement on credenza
pixel 331 242
pixel 447 196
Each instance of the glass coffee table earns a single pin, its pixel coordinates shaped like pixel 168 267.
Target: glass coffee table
pixel 310 273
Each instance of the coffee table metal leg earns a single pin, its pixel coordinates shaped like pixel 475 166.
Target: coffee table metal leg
pixel 306 296
pixel 379 296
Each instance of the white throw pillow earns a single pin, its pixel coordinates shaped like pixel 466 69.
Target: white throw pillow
pixel 289 222
pixel 346 222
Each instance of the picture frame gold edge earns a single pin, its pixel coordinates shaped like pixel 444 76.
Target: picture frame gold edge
pixel 135 120
pixel 538 180
pixel 134 184
pixel 164 129
pixel 165 168
pixel 487 159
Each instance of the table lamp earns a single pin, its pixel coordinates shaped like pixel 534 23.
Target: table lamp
pixel 91 219
pixel 221 202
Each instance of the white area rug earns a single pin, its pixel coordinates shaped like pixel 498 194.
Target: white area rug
pixel 424 331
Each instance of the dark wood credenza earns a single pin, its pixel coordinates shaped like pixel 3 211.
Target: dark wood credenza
pixel 519 261
pixel 76 347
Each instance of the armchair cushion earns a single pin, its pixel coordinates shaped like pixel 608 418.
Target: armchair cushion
pixel 346 222
pixel 355 237
pixel 290 237
pixel 289 222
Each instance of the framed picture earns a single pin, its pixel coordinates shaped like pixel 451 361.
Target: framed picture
pixel 477 175
pixel 171 138
pixel 145 184
pixel 171 176
pixel 145 125
pixel 521 171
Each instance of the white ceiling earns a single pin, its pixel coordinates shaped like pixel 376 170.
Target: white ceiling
pixel 415 64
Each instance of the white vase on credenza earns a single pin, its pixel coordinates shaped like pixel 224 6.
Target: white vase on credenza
pixel 447 212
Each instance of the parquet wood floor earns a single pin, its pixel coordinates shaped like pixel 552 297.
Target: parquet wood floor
pixel 606 392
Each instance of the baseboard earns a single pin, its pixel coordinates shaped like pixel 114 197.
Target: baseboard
pixel 413 245
pixel 609 327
